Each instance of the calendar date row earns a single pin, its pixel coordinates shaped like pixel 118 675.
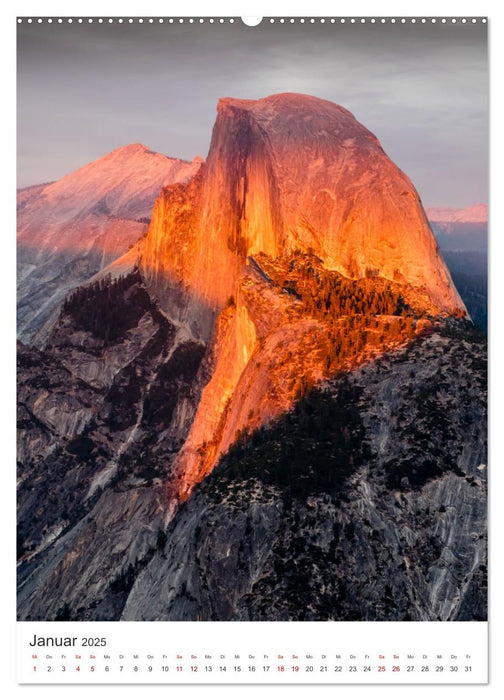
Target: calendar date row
pixel 308 668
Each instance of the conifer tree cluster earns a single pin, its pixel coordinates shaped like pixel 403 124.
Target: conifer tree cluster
pixel 361 316
pixel 327 293
pixel 107 308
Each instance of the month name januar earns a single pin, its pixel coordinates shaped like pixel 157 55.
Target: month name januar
pixel 52 641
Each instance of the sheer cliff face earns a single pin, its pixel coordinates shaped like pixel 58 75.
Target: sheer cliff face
pixel 292 172
pixel 288 341
pixel 286 173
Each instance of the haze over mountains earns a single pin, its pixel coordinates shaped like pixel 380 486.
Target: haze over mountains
pixel 269 278
pixel 462 235
pixel 460 229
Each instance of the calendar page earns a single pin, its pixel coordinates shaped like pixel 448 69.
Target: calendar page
pixel 252 349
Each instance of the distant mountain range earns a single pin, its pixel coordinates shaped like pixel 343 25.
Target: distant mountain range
pixel 462 235
pixel 460 229
pixel 477 213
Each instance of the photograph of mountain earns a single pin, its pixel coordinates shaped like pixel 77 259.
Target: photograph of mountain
pixel 252 384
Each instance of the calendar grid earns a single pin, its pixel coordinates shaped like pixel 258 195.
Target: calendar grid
pixel 171 653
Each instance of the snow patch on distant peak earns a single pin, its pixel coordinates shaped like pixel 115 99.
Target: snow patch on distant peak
pixel 477 213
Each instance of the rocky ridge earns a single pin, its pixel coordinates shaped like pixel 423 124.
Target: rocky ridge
pixel 246 349
pixel 336 510
pixel 70 229
pixel 285 174
pixel 97 433
pixel 399 534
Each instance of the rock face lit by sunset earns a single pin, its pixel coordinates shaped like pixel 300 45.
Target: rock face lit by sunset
pixel 251 365
pixel 293 172
pixel 75 226
pixel 291 182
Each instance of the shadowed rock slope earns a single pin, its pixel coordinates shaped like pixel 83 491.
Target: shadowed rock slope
pixel 279 414
pixel 367 502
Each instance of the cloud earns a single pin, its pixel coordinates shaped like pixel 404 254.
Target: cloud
pixel 423 90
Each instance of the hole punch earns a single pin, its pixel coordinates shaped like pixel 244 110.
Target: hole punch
pixel 251 21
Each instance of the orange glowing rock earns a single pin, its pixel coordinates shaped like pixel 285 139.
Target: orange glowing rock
pixel 286 173
pixel 283 173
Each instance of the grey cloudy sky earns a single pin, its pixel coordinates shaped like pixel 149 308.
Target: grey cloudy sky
pixel 84 90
